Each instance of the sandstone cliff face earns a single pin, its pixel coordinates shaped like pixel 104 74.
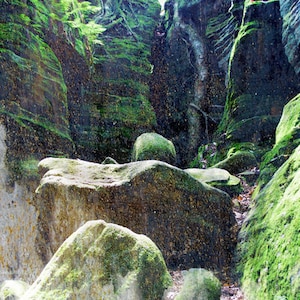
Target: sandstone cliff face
pixel 118 94
pixel 270 238
pixel 18 219
pixel 261 80
pixel 191 58
pixel 46 107
pixel 290 36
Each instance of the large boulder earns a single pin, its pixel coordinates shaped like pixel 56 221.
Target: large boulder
pixel 191 222
pixel 238 161
pixel 269 249
pixel 103 261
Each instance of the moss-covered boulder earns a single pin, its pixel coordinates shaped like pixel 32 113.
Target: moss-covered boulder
pixel 191 222
pixel 103 261
pixel 269 249
pixel 199 284
pixel 218 178
pixel 153 146
pixel 237 162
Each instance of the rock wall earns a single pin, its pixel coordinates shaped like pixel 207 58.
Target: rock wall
pixel 190 55
pixel 290 36
pixel 269 245
pixel 50 69
pixel 261 80
pixel 18 220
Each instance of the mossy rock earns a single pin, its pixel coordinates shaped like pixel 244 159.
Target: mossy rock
pixel 179 213
pixel 103 261
pixel 269 249
pixel 199 284
pixel 153 146
pixel 218 178
pixel 286 141
pixel 237 162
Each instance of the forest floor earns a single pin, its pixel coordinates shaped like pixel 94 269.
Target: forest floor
pixel 230 291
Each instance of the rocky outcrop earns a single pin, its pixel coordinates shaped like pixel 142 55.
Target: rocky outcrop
pixel 269 244
pixel 75 77
pixel 103 261
pixel 119 92
pixel 190 222
pixel 190 58
pixel 261 80
pixel 291 35
pixel 35 95
pixel 153 146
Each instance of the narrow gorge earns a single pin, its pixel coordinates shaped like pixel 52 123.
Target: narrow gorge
pixel 128 130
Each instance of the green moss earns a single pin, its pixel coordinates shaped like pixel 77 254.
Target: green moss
pixel 153 146
pixel 287 139
pixel 200 284
pixel 269 250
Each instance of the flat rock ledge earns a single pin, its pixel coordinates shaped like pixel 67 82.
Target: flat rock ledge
pixel 191 223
